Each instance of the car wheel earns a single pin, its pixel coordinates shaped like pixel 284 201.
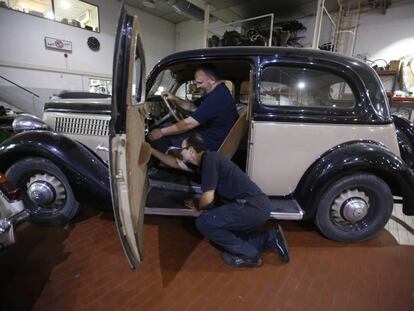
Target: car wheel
pixel 354 208
pixel 46 191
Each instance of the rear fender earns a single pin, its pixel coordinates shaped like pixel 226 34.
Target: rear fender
pixel 356 157
pixel 84 170
pixel 405 136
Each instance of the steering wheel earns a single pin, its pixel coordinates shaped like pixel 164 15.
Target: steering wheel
pixel 171 111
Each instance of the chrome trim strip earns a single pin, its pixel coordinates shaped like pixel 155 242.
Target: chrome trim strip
pixel 287 216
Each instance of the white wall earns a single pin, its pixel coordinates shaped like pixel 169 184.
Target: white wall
pixel 189 35
pixel 25 60
pixel 389 36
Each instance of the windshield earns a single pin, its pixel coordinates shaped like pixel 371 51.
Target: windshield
pixel 165 81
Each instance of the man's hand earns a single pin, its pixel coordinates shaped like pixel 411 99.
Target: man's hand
pixel 168 95
pixel 190 203
pixel 206 199
pixel 183 103
pixel 155 134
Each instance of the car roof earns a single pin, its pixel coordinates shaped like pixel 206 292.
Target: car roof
pixel 259 51
pixel 234 54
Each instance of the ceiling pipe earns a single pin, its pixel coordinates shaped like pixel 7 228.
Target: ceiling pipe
pixel 188 9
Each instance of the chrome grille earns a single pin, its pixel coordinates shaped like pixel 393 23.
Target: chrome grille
pixel 81 126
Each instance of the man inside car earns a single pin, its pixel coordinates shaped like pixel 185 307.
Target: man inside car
pixel 233 206
pixel 212 119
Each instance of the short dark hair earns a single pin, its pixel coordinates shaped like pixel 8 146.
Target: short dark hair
pixel 210 70
pixel 197 142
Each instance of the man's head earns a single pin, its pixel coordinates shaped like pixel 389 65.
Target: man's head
pixel 192 149
pixel 206 78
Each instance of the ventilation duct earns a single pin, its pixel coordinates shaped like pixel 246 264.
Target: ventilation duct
pixel 148 4
pixel 188 9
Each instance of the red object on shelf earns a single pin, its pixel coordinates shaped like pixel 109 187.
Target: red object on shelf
pixel 402 99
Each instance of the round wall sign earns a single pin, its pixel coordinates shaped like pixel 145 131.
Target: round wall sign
pixel 93 44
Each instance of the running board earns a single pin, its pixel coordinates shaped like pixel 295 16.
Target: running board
pixel 187 212
pixel 165 185
pixel 287 209
pixel 281 209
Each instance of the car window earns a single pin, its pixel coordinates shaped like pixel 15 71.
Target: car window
pixel 244 92
pixel 188 90
pixel 164 82
pixel 302 87
pixel 138 75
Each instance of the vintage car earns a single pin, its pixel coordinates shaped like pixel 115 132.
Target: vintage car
pixel 12 212
pixel 53 172
pixel 83 117
pixel 315 133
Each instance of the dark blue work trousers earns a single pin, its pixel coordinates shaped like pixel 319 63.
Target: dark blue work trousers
pixel 165 142
pixel 233 226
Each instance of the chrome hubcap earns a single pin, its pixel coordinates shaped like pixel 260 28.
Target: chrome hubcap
pixel 350 206
pixel 46 191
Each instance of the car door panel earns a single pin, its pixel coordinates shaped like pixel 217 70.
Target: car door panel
pixel 129 151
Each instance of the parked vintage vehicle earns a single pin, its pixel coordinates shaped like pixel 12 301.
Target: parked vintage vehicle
pixel 54 172
pixel 315 133
pixel 83 117
pixel 12 212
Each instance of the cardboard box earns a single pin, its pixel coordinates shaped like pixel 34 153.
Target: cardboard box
pixel 394 65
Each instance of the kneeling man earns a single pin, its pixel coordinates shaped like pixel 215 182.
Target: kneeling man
pixel 233 206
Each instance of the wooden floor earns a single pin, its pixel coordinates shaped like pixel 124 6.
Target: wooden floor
pixel 82 267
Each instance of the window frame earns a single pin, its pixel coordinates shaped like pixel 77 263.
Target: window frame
pixel 363 112
pixel 54 13
pixel 302 108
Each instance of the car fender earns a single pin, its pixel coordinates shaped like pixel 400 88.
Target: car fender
pixel 86 172
pixel 351 157
pixel 405 135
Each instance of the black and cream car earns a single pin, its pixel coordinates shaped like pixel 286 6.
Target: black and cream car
pixel 314 132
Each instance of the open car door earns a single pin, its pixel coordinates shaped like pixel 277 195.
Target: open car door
pixel 129 153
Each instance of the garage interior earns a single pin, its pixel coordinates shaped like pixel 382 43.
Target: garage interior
pixel 81 265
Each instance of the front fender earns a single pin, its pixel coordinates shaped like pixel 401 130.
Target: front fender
pixel 84 170
pixel 352 157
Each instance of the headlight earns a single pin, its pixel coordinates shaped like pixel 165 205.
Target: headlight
pixel 28 123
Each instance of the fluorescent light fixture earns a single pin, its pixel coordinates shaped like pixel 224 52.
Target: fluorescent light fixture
pixel 148 4
pixel 177 9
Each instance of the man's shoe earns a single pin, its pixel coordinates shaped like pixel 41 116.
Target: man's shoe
pixel 276 241
pixel 239 262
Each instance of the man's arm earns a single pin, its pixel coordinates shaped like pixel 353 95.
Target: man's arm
pixel 169 160
pixel 206 199
pixel 177 128
pixel 183 103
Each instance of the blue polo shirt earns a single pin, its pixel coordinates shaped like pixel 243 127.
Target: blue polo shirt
pixel 216 114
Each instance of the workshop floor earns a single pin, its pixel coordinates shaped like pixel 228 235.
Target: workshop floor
pixel 82 267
